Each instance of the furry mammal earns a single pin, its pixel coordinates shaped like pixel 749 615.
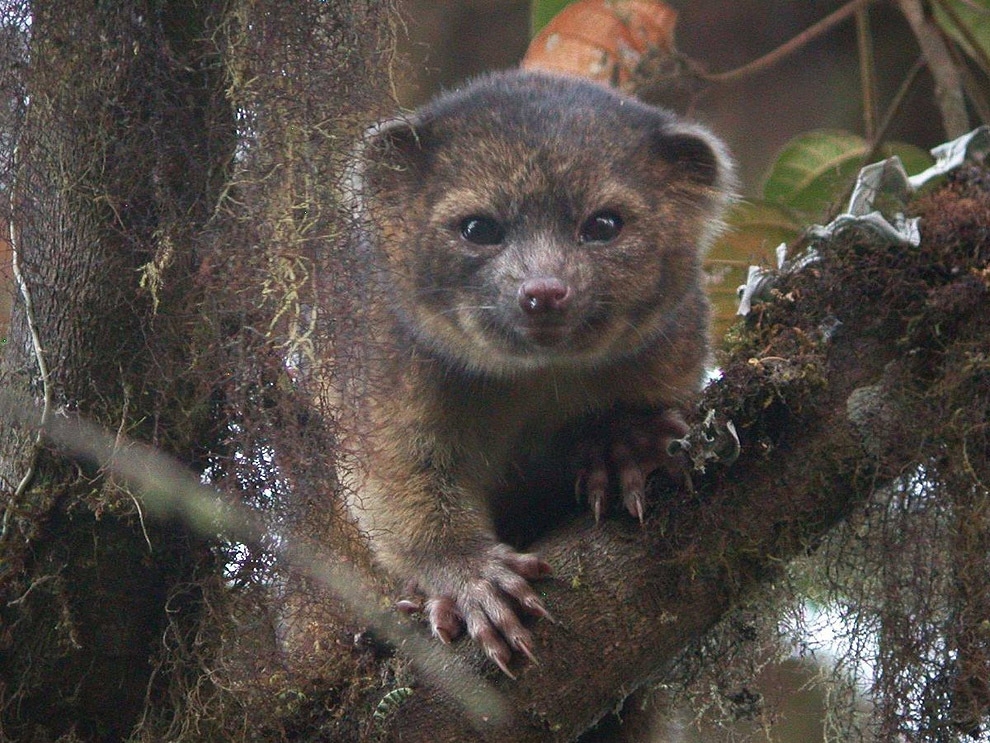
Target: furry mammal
pixel 532 246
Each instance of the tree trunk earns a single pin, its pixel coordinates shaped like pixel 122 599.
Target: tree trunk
pixel 121 157
pixel 174 167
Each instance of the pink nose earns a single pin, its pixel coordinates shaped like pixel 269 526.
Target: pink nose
pixel 544 295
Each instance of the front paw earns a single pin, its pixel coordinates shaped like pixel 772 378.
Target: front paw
pixel 621 454
pixel 484 593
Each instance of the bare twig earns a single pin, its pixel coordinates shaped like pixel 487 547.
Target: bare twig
pixel 35 584
pixel 784 50
pixel 975 92
pixel 867 72
pixel 948 83
pixel 973 88
pixel 39 353
pixel 893 109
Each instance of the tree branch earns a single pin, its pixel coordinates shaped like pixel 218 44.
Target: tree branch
pixel 788 48
pixel 948 84
pixel 867 73
pixel 32 326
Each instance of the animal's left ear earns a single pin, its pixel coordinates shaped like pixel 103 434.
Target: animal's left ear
pixel 695 153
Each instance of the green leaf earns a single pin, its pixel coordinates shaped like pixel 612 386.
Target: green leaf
pixel 914 159
pixel 974 15
pixel 814 171
pixel 542 11
pixel 755 230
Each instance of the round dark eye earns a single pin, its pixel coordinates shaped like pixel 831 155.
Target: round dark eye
pixel 482 231
pixel 601 227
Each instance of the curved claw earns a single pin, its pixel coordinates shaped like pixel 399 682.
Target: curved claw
pixel 622 454
pixel 496 658
pixel 523 647
pixel 408 606
pixel 486 595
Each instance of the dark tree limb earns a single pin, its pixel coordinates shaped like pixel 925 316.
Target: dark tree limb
pixel 629 601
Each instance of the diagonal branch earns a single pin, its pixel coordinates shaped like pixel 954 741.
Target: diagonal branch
pixel 948 83
pixel 790 47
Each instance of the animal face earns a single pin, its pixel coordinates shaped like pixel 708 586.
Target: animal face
pixel 541 222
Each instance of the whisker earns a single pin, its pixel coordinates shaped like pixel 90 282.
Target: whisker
pixel 466 307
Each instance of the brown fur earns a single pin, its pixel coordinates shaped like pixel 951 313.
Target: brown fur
pixel 478 356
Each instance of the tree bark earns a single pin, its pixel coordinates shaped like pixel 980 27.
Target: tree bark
pixel 119 161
